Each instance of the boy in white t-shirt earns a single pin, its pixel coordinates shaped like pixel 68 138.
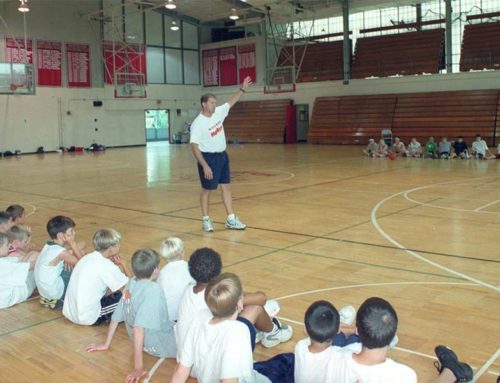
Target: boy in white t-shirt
pixel 204 265
pixel 19 241
pixel 58 254
pixel 17 281
pixel 376 323
pixel 86 301
pixel 217 345
pixel 174 276
pixel 414 148
pixel 16 212
pixel 144 310
pixel 480 149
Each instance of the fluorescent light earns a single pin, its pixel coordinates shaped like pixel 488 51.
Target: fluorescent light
pixel 174 26
pixel 170 4
pixel 23 7
pixel 233 15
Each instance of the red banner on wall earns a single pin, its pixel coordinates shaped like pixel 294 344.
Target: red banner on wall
pixel 228 66
pixel 15 50
pixel 49 63
pixel 130 58
pixel 78 65
pixel 211 67
pixel 246 62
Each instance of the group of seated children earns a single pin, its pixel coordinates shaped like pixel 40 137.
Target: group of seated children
pixel 444 149
pixel 204 319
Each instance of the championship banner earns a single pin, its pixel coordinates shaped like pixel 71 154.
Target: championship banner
pixel 14 53
pixel 130 58
pixel 49 63
pixel 246 62
pixel 228 66
pixel 78 65
pixel 210 67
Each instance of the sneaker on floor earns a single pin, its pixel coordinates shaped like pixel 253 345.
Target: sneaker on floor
pixel 272 307
pixel 259 336
pixel 347 315
pixel 281 334
pixel 448 359
pixel 235 223
pixel 207 225
pixel 49 303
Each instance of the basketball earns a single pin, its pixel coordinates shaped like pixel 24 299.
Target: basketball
pixel 393 155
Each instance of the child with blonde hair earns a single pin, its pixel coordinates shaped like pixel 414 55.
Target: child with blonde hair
pixel 174 276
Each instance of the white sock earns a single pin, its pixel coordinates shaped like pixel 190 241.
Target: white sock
pixel 275 328
pixel 206 217
pixel 231 216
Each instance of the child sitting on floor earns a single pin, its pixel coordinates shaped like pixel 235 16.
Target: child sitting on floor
pixel 17 282
pixel 5 222
pixel 16 212
pixel 86 301
pixel 50 274
pixel 19 244
pixel 174 276
pixel 144 310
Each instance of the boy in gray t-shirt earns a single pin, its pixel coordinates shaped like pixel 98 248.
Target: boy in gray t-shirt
pixel 143 308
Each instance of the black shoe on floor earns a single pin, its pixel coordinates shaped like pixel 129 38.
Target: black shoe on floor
pixel 448 359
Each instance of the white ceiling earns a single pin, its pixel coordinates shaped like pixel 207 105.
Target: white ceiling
pixel 281 11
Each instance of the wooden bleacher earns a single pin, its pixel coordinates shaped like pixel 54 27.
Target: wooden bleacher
pixel 350 119
pixel 257 121
pixel 481 47
pixel 399 54
pixel 323 61
pixel 354 119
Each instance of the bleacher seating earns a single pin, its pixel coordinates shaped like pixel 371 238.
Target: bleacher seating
pixel 323 61
pixel 350 119
pixel 257 121
pixel 399 54
pixel 481 47
pixel 354 119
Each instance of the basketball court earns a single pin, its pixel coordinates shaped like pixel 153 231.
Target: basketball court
pixel 323 223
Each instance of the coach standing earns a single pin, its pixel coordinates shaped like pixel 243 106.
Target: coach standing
pixel 208 143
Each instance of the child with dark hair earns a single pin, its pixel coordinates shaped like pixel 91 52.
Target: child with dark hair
pixel 144 310
pixel 5 222
pixel 204 265
pixel 50 274
pixel 377 323
pixel 16 212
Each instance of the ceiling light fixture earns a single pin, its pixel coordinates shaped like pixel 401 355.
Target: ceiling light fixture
pixel 23 7
pixel 233 15
pixel 170 4
pixel 174 26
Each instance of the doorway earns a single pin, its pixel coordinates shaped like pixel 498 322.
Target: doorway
pixel 157 125
pixel 302 122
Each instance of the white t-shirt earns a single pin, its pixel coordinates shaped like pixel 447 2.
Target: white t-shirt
pixel 208 132
pixel 480 147
pixel 191 303
pixel 218 351
pixel 414 146
pixel 47 277
pixel 343 369
pixel 174 278
pixel 14 281
pixel 312 367
pixel 91 277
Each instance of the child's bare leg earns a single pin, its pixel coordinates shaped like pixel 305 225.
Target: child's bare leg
pixel 257 298
pixel 258 316
pixel 446 376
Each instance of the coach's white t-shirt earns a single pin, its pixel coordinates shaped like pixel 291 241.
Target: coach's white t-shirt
pixel 91 277
pixel 344 369
pixel 174 278
pixel 48 277
pixel 219 351
pixel 208 132
pixel 191 304
pixel 313 367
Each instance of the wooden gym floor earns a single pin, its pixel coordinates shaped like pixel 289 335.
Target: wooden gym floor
pixel 324 223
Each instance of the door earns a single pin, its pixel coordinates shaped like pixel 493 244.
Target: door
pixel 157 125
pixel 302 122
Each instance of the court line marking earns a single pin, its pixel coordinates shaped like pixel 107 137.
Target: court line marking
pixel 487 205
pixel 485 367
pixel 153 370
pixel 413 253
pixel 30 326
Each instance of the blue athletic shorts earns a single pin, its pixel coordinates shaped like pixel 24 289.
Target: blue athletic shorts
pixel 251 328
pixel 219 163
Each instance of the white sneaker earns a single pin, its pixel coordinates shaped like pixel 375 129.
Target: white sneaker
pixel 272 307
pixel 347 315
pixel 235 223
pixel 283 333
pixel 259 336
pixel 207 225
